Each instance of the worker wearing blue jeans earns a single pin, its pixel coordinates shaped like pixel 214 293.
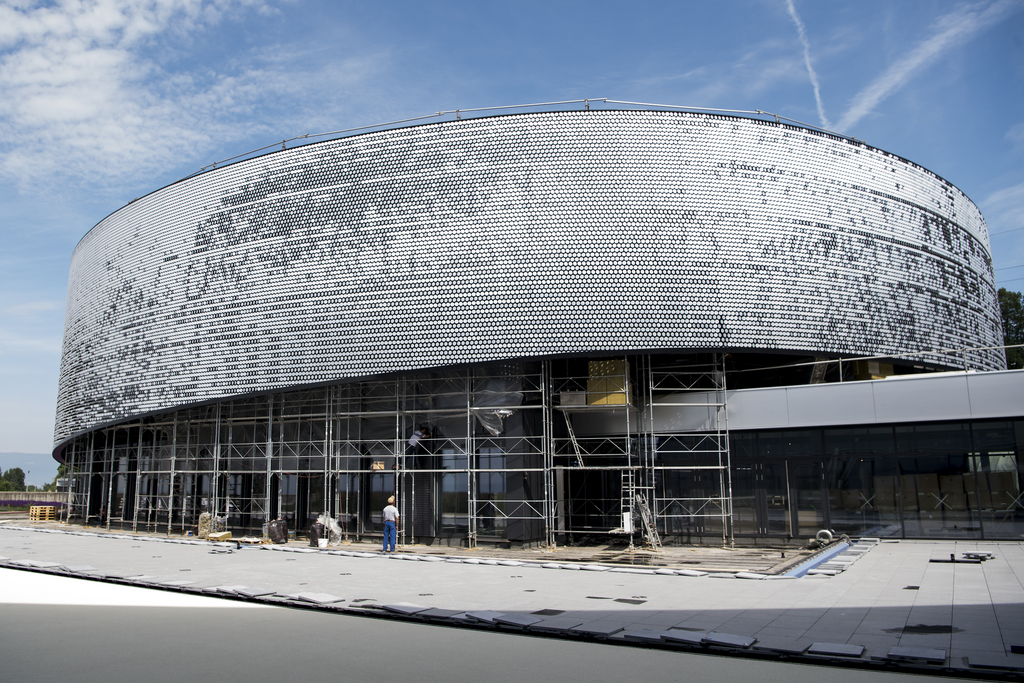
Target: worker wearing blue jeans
pixel 390 525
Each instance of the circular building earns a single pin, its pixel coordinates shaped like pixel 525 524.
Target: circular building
pixel 262 340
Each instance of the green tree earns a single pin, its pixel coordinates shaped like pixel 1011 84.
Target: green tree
pixel 14 478
pixel 1012 310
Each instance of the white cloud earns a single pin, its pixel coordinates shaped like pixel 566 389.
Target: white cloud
pixel 22 344
pixel 950 31
pixel 802 32
pixel 759 69
pixel 1004 209
pixel 83 98
pixel 1016 134
pixel 31 307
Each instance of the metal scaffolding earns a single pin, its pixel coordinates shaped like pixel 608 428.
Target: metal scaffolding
pixel 535 452
pixel 645 449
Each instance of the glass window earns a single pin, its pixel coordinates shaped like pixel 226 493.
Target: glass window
pixel 789 443
pixel 933 460
pixel 382 487
pixel 742 445
pixel 805 488
pixel 993 486
pixel 454 492
pixel 491 499
pixel 862 496
pixel 861 478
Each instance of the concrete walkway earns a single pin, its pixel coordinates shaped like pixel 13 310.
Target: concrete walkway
pixel 892 607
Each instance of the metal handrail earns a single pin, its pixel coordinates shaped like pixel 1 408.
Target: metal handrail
pixel 586 102
pixel 897 354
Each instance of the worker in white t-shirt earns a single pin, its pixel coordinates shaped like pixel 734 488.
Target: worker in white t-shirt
pixel 416 447
pixel 390 525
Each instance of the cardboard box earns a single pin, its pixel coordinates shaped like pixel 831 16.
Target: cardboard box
pixel 978 495
pixel 852 500
pixel 1005 482
pixel 951 483
pixel 573 398
pixel 220 536
pixel 908 495
pixel 885 494
pixel 928 493
pixel 870 369
pixel 1003 501
pixel 996 491
pixel 954 502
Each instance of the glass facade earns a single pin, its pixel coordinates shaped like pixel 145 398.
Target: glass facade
pixel 927 480
pixel 340 450
pixel 558 451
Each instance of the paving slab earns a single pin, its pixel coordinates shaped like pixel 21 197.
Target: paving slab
pixel 486 616
pixel 319 598
pixel 917 654
pixel 786 646
pixel 835 650
pixel 599 628
pixel 405 608
pixel 438 613
pixel 642 635
pixel 687 637
pixel 520 620
pixel 868 605
pixel 557 624
pixel 728 640
pixel 987 661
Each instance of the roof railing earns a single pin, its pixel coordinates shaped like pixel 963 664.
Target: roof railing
pixel 586 102
pixel 960 356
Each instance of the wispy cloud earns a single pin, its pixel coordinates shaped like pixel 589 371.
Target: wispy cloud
pixel 27 345
pixel 950 31
pixel 802 32
pixel 31 308
pixel 1004 209
pixel 88 92
pixel 1016 134
pixel 757 70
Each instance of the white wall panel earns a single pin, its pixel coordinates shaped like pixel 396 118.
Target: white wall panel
pixel 920 398
pixel 913 399
pixel 996 394
pixel 853 403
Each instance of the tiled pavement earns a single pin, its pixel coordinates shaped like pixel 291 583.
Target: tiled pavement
pixel 892 597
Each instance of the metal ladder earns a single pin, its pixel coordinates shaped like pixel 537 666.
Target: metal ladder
pixel 633 502
pixel 572 437
pixel 647 519
pixel 626 503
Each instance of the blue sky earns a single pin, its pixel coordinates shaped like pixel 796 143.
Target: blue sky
pixel 104 101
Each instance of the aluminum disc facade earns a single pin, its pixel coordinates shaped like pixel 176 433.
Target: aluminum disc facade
pixel 518 236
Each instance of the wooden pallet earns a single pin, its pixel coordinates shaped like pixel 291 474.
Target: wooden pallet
pixel 42 513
